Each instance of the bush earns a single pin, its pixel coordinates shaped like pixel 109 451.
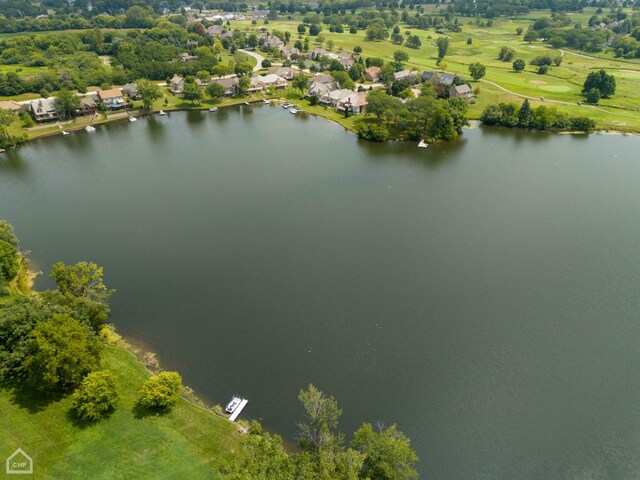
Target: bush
pixel 372 132
pixel 9 260
pixel 265 63
pixel 96 396
pixel 593 95
pixel 161 391
pixel 542 60
pixel 582 124
pixel 542 69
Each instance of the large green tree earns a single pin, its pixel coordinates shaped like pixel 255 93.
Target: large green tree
pixel 477 70
pixel 84 279
pixel 66 102
pixel 62 353
pixel 388 454
pixel 161 391
pixel 149 91
pixel 442 44
pixel 301 82
pixel 601 80
pixel 96 396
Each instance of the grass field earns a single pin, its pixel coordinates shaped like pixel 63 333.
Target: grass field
pixel 561 84
pixel 186 443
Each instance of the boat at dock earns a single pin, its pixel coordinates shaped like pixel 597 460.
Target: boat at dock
pixel 266 102
pixel 293 110
pixel 161 112
pixel 213 109
pixel 89 128
pixel 423 144
pixel 247 104
pixel 233 404
pixel 133 119
pixel 235 407
pixel 64 132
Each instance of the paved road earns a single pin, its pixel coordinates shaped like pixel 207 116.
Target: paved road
pixel 255 55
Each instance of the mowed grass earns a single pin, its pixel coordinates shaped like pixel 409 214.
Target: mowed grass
pixel 188 442
pixel 560 84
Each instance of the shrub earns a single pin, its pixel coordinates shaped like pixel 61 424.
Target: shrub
pixel 161 391
pixel 372 132
pixel 9 260
pixel 542 69
pixel 96 396
pixel 593 95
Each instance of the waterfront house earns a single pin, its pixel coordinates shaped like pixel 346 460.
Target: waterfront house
pixel 272 81
pixel 337 95
pixel 177 84
pixel 112 99
pixel 372 74
pixel 322 90
pixel 355 102
pixel 229 84
pixel 461 91
pixel 88 106
pixel 256 85
pixel 322 78
pixel 131 91
pixel 44 109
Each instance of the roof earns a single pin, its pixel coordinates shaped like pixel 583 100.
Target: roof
pixel 462 89
pixel 43 105
pixel 87 102
pixel 373 71
pixel 446 79
pixel 405 73
pixel 322 78
pixel 176 79
pixel 112 93
pixel 340 94
pixel 226 82
pixel 270 78
pixel 428 75
pixel 357 99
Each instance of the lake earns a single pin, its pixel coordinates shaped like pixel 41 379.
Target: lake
pixel 482 294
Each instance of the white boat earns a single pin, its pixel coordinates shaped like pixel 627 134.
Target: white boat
pixel 266 102
pixel 247 104
pixel 423 144
pixel 64 132
pixel 161 112
pixel 133 119
pixel 287 105
pixel 213 109
pixel 233 404
pixel 89 128
pixel 293 110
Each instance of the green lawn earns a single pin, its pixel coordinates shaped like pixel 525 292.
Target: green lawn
pixel 186 443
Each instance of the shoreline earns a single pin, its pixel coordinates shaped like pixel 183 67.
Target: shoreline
pixel 474 122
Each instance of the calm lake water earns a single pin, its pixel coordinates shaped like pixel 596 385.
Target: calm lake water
pixel 483 295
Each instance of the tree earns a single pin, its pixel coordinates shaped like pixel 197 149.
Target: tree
pixel 314 29
pixel 477 70
pixel 9 261
pixel 7 234
pixel 318 431
pixel 506 54
pixel 519 31
pixel 593 95
pixel 302 28
pixel 242 87
pixel 161 391
pixel 215 91
pixel 400 57
pixel 66 102
pixel 442 44
pixel 243 68
pixel 518 65
pixel 192 92
pixel 62 353
pixel 387 453
pixel 262 457
pixel 149 91
pixel 265 63
pixel 220 70
pixel 602 81
pixel 343 79
pixel 96 396
pixel 357 49
pixel 413 41
pixel 525 115
pixel 531 36
pixel 83 280
pixel 300 81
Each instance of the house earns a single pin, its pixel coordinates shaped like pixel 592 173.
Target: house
pixel 337 95
pixel 185 57
pixel 446 79
pixel 346 59
pixel 112 99
pixel 289 52
pixel 372 74
pixel 177 84
pixel 322 90
pixel 272 41
pixel 461 91
pixel 316 53
pixel 229 84
pixel 285 72
pixel 410 76
pixel 256 85
pixel 355 102
pixel 431 77
pixel 13 106
pixel 322 78
pixel 88 106
pixel 272 81
pixel 215 30
pixel 44 109
pixel 131 91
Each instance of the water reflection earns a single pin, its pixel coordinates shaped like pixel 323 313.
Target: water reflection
pixel 11 162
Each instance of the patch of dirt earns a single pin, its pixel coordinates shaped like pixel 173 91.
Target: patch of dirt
pixel 538 82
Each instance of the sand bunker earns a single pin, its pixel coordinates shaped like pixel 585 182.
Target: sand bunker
pixel 538 82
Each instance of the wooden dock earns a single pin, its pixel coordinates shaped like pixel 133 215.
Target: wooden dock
pixel 238 410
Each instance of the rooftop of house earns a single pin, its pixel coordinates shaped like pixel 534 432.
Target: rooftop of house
pixel 322 78
pixel 226 82
pixel 112 93
pixel 176 79
pixel 271 78
pixel 43 105
pixel 357 99
pixel 340 94
pixel 373 71
pixel 405 73
pixel 462 89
